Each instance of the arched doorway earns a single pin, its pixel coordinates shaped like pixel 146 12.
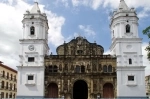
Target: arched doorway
pixel 80 90
pixel 108 91
pixel 52 91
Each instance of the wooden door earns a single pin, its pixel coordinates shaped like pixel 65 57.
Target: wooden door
pixel 52 91
pixel 108 91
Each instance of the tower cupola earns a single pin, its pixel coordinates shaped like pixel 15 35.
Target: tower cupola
pixel 123 5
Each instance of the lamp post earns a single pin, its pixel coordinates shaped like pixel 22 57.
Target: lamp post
pixel 63 97
pixel 98 97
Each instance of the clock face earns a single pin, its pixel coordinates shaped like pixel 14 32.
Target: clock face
pixel 31 47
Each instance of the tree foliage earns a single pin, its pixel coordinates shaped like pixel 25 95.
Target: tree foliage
pixel 147 32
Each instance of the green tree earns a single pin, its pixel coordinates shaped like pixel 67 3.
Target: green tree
pixel 147 32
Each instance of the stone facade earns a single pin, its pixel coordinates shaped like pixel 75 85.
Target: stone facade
pixel 80 60
pixel 147 83
pixel 8 82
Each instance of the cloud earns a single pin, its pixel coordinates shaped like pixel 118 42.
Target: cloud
pixel 131 3
pixel 80 2
pixel 107 52
pixel 62 2
pixel 94 4
pixel 11 29
pixel 87 30
pixel 143 4
pixel 113 4
pixel 55 25
pixel 144 13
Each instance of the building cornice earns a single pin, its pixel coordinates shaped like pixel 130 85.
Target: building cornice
pixel 7 67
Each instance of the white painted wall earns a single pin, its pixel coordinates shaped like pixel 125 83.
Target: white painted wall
pixel 35 87
pixel 124 46
pixel 30 89
pixel 39 52
pixel 126 88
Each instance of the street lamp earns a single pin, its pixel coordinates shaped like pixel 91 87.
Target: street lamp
pixel 98 97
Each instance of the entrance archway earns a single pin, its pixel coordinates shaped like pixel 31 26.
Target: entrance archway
pixel 80 90
pixel 52 90
pixel 108 91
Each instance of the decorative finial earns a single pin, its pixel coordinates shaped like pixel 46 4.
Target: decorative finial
pixel 51 53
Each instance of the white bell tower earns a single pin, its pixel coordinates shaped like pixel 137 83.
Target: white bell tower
pixel 33 48
pixel 127 47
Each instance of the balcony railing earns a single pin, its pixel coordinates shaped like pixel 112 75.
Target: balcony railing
pixel 8 88
pixel 8 78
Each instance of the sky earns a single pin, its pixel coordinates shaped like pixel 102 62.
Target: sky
pixel 67 19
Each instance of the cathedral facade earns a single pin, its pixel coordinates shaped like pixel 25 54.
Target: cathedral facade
pixel 80 70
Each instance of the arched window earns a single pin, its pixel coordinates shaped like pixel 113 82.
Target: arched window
pixel 14 78
pixel 10 86
pixel 11 76
pixel 82 69
pixel 50 69
pixel 127 28
pixel 14 86
pixel 79 52
pixel 7 75
pixel 77 70
pixel 32 30
pixel 109 68
pixel 3 84
pixel 104 68
pixel 130 61
pixel 55 69
pixel 10 95
pixel 6 95
pixel 3 73
pixel 7 85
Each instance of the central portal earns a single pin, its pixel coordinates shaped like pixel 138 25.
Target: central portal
pixel 80 90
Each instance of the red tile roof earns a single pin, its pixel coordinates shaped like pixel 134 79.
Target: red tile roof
pixel 7 67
